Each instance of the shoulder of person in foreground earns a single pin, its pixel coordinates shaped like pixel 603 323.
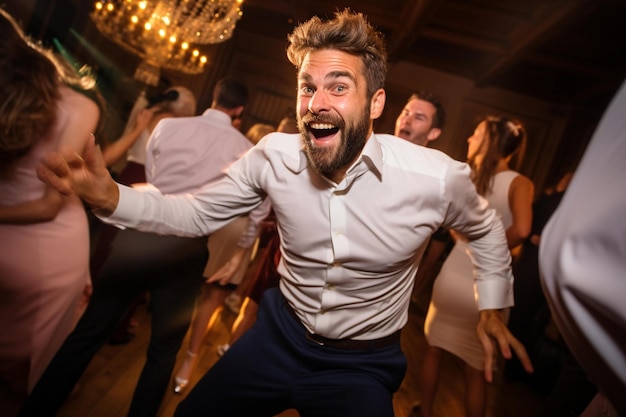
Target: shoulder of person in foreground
pixel 582 257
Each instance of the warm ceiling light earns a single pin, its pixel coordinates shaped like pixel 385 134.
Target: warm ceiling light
pixel 167 22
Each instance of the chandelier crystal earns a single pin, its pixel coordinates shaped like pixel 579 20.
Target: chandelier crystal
pixel 167 33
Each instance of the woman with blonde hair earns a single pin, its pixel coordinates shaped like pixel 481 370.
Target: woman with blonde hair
pixel 258 130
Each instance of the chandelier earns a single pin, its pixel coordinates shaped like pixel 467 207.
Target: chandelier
pixel 167 33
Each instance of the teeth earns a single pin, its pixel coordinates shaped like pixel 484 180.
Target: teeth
pixel 320 126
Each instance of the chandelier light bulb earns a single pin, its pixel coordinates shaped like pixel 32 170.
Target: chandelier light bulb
pixel 153 30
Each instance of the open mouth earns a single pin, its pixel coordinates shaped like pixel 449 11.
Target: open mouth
pixel 403 133
pixel 323 131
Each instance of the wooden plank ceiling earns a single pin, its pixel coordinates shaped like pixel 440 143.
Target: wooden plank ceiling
pixel 563 51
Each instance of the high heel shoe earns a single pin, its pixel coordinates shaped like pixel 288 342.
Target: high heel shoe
pixel 179 385
pixel 181 380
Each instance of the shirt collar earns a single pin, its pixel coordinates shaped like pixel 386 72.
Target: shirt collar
pixel 218 116
pixel 371 156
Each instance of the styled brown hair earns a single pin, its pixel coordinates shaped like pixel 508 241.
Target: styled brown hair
pixel 348 32
pixel 504 137
pixel 439 120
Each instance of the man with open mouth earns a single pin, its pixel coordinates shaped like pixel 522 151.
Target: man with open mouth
pixel 354 212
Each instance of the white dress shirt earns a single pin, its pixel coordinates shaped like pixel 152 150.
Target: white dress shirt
pixel 350 250
pixel 582 257
pixel 137 152
pixel 185 153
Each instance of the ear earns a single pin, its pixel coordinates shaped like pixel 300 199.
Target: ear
pixel 433 134
pixel 377 104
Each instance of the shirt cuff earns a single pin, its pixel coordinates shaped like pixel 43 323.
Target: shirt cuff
pixel 129 204
pixel 494 294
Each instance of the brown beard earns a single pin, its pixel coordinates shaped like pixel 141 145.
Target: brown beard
pixel 329 160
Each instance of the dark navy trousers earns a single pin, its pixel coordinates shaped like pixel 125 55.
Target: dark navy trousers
pixel 274 367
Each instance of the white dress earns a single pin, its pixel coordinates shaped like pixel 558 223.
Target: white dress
pixel 453 311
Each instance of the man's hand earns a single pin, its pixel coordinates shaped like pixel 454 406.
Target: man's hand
pixel 83 175
pixel 491 327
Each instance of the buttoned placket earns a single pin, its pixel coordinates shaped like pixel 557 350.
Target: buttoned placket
pixel 341 248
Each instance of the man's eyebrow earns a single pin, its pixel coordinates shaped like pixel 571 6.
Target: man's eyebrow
pixel 339 74
pixel 331 75
pixel 305 77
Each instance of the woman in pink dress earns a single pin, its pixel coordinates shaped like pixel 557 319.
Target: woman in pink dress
pixel 44 261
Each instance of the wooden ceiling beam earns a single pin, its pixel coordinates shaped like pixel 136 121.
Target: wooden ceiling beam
pixel 415 15
pixel 462 41
pixel 551 19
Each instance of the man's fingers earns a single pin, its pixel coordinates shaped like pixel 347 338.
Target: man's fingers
pixel 491 329
pixel 489 350
pixel 53 170
pixel 212 279
pixel 74 161
pixel 93 154
pixel 504 341
pixel 522 355
pixel 508 342
pixel 223 279
pixel 48 177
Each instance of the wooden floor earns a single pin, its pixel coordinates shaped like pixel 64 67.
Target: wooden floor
pixel 107 385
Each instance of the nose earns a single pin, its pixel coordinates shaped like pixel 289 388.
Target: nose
pixel 318 102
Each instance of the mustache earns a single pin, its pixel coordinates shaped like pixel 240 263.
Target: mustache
pixel 309 118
